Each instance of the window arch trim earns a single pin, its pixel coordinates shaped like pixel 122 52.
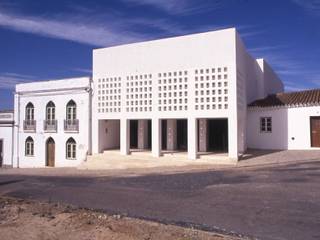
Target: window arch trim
pixel 29 114
pixel 50 111
pixel 29 147
pixel 71 149
pixel 71 111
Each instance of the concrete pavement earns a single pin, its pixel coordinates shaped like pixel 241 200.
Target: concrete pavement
pixel 271 201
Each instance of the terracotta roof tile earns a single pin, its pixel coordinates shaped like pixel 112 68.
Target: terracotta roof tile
pixel 308 97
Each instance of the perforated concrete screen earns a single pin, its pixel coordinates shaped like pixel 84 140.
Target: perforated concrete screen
pixel 173 91
pixel 139 93
pixel 211 88
pixel 109 95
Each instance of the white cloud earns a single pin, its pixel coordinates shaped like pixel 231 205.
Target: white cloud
pixel 311 6
pixel 9 80
pixel 181 7
pixel 97 34
pixel 100 31
pixel 82 70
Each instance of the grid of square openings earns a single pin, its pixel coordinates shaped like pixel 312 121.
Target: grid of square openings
pixel 173 91
pixel 211 88
pixel 109 95
pixel 139 93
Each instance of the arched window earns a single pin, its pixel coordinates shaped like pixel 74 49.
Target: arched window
pixel 71 148
pixel 50 111
pixel 29 112
pixel 29 147
pixel 71 111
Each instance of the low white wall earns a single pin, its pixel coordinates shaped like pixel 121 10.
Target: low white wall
pixel 299 126
pixel 6 137
pixel 290 128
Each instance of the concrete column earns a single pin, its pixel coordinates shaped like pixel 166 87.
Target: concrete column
pixel 156 137
pixel 171 134
pixel 124 137
pixel 203 135
pixel 192 138
pixel 142 134
pixel 233 138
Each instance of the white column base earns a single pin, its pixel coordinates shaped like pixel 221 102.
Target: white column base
pixel 124 137
pixel 192 138
pixel 156 137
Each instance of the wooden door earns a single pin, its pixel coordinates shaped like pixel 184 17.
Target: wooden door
pixel 315 131
pixel 50 153
pixel 1 153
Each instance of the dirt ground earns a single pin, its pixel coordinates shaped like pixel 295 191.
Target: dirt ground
pixel 24 219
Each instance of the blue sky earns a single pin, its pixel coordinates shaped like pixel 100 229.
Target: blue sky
pixel 46 39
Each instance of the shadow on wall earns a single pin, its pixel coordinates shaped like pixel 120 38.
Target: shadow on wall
pixel 109 135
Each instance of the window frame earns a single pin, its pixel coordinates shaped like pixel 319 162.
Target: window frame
pixel 29 115
pixel 71 149
pixel 29 147
pixel 50 111
pixel 264 128
pixel 71 111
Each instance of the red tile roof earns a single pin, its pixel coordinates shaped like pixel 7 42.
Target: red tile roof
pixel 308 97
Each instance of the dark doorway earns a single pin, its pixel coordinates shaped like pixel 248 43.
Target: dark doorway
pixel 164 134
pixel 182 134
pixel 315 131
pixel 149 134
pixel 218 135
pixel 50 153
pixel 1 153
pixel 133 134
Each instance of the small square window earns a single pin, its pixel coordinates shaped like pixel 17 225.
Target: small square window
pixel 266 125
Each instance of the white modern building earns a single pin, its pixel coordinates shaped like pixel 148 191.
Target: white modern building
pixel 196 95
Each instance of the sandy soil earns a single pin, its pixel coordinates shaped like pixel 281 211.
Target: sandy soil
pixel 23 219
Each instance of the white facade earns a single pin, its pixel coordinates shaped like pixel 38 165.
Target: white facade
pixel 201 76
pixel 184 94
pixel 59 92
pixel 290 127
pixel 6 138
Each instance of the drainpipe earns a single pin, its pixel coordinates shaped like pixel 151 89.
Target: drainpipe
pixel 17 125
pixel 12 141
pixel 89 91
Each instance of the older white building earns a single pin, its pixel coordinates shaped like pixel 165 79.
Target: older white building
pixel 53 121
pixel 196 95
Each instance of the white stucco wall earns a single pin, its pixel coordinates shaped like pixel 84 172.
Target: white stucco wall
pixel 290 128
pixel 271 83
pixel 6 135
pixel 60 92
pixel 109 135
pixel 205 51
pixel 255 80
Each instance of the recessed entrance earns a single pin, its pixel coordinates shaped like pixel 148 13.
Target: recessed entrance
pixel 213 135
pixel 174 135
pixel 50 152
pixel 133 134
pixel 315 131
pixel 182 134
pixel 109 135
pixel 140 134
